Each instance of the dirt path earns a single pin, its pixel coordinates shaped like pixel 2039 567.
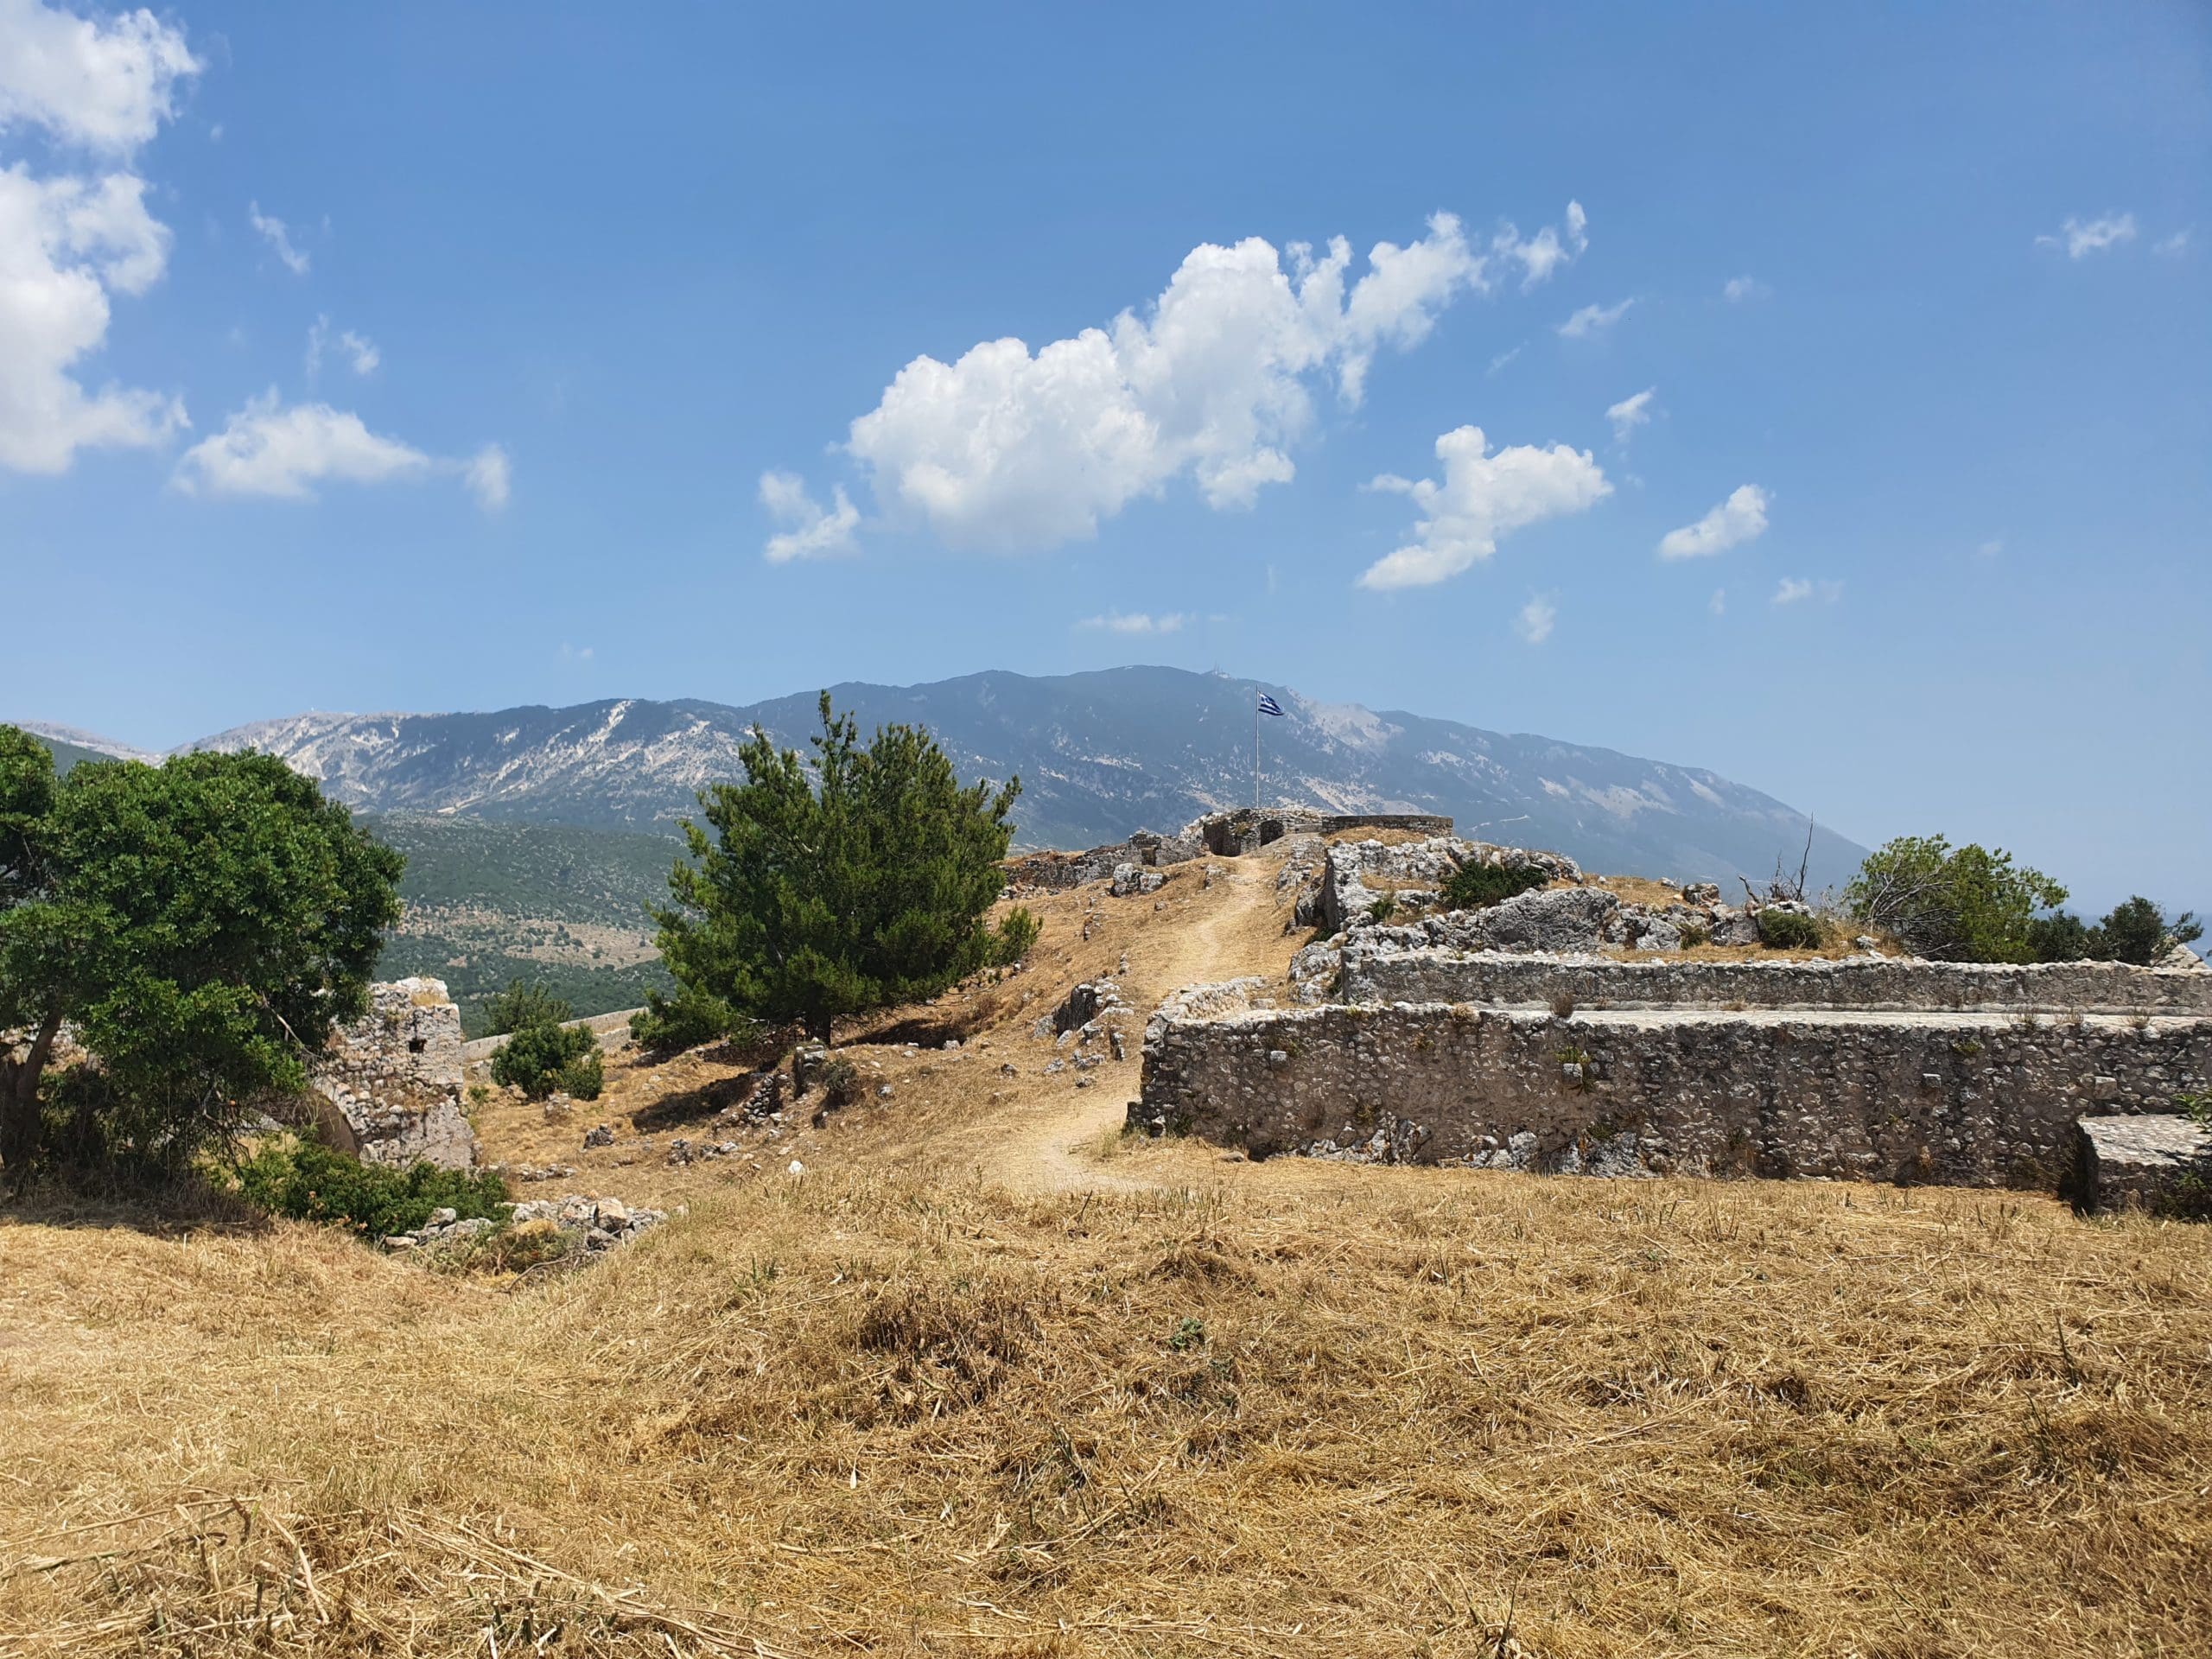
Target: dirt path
pixel 1053 1143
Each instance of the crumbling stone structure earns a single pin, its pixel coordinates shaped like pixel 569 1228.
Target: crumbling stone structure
pixel 1229 835
pixel 389 1088
pixel 1506 1038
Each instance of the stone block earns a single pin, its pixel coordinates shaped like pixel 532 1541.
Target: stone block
pixel 2158 1162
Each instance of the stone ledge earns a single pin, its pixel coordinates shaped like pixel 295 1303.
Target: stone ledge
pixel 2158 1162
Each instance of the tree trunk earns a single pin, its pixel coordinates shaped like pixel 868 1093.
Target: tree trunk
pixel 20 1129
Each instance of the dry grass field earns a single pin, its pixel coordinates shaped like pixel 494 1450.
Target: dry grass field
pixel 984 1380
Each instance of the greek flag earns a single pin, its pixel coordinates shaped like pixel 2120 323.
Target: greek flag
pixel 1269 705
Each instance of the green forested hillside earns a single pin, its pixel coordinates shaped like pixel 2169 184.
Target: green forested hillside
pixel 490 903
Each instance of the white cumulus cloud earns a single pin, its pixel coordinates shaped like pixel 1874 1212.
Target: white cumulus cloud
pixel 1741 290
pixel 1630 413
pixel 1138 622
pixel 1537 619
pixel 1593 320
pixel 102 83
pixel 811 533
pixel 2082 238
pixel 1740 518
pixel 1011 450
pixel 278 238
pixel 70 242
pixel 1482 497
pixel 269 449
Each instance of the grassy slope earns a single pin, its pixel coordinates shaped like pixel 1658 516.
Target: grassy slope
pixel 983 1381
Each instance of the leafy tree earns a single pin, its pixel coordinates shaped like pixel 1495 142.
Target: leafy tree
pixel 199 926
pixel 667 1025
pixel 1964 904
pixel 809 901
pixel 2136 931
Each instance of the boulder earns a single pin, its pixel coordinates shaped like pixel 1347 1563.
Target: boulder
pixel 2158 1162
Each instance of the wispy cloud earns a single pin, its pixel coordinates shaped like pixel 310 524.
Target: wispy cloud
pixel 361 352
pixel 1502 358
pixel 1630 413
pixel 278 238
pixel 1740 518
pixel 1719 603
pixel 1990 548
pixel 813 531
pixel 2082 238
pixel 1795 590
pixel 1593 320
pixel 1537 619
pixel 1138 622
pixel 2178 243
pixel 1741 290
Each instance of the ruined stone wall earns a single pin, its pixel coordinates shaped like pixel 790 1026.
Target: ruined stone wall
pixel 1868 984
pixel 1229 835
pixel 389 1088
pixel 1968 1098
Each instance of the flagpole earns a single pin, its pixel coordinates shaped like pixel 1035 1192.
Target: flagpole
pixel 1255 748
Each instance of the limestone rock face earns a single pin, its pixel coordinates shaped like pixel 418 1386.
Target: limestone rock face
pixel 388 1090
pixel 2158 1162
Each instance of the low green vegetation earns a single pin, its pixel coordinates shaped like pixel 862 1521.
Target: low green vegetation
pixel 806 899
pixel 197 925
pixel 1477 886
pixel 305 1180
pixel 1968 904
pixel 544 1054
pixel 1790 929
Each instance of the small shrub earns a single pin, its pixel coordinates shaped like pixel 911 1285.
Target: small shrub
pixel 540 1058
pixel 1477 886
pixel 1790 929
pixel 1694 935
pixel 1383 909
pixel 1189 1333
pixel 1563 1005
pixel 307 1181
pixel 841 1081
pixel 690 1019
pixel 1014 937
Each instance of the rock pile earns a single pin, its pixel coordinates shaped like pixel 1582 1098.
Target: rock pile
pixel 603 1222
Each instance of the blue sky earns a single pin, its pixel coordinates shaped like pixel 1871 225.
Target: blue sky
pixel 447 356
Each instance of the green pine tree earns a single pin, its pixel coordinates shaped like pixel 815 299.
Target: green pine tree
pixel 813 900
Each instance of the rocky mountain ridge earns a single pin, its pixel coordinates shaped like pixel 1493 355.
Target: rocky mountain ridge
pixel 1099 755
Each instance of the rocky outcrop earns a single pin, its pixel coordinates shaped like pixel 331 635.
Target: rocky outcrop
pixel 388 1089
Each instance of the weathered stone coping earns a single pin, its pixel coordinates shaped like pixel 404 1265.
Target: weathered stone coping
pixel 1498 979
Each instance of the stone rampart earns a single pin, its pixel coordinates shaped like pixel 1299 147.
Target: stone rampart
pixel 1865 983
pixel 1975 1099
pixel 389 1088
pixel 1229 835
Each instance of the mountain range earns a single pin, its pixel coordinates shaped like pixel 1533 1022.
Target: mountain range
pixel 1099 755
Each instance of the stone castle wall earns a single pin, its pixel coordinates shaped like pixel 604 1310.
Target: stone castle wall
pixel 1865 984
pixel 1962 1098
pixel 389 1088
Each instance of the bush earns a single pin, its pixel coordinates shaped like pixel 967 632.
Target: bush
pixel 841 1083
pixel 2137 931
pixel 1963 904
pixel 1016 935
pixel 539 1059
pixel 1790 929
pixel 1383 909
pixel 690 1019
pixel 307 1181
pixel 1477 886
